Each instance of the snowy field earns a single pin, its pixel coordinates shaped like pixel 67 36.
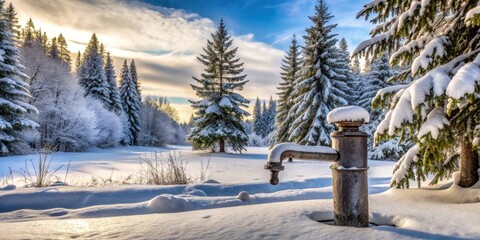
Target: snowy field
pixel 242 205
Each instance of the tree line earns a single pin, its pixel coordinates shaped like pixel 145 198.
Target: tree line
pixel 420 85
pixel 48 103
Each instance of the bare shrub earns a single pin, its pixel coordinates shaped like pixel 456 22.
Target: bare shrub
pixel 159 169
pixel 203 171
pixel 41 174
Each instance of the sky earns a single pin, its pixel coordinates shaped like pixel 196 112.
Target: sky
pixel 165 36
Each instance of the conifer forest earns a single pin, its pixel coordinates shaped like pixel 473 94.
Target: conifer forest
pixel 160 119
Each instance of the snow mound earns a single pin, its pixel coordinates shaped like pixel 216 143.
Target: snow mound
pixel 212 181
pixel 195 192
pixel 244 196
pixel 167 203
pixel 348 114
pixel 383 219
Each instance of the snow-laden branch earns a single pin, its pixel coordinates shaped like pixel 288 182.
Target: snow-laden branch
pixel 435 122
pixel 472 13
pixel 435 48
pixel 465 80
pixel 404 164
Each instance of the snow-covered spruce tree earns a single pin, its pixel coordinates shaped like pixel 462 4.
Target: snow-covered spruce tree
pixel 131 105
pixel 320 85
pixel 133 71
pixel 343 61
pixel 357 79
pixel 219 114
pixel 439 111
pixel 290 69
pixel 355 67
pixel 92 74
pixel 264 120
pixel 267 118
pixel 373 81
pixel 11 15
pixel 13 93
pixel 271 112
pixel 257 117
pixel 115 101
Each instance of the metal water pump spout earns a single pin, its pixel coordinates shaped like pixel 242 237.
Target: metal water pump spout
pixel 349 168
pixel 291 150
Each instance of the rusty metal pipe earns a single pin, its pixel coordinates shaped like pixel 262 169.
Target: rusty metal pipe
pixel 349 170
pixel 290 150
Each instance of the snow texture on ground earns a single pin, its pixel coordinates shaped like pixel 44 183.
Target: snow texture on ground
pixel 241 207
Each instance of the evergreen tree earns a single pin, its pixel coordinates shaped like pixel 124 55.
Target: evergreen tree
pixel 320 85
pixel 116 103
pixel 344 69
pixel 290 69
pixel 11 15
pixel 78 62
pixel 92 75
pixel 63 49
pixel 373 81
pixel 264 120
pixel 131 105
pixel 355 67
pixel 439 110
pixel 42 39
pixel 103 53
pixel 28 33
pixel 13 92
pixel 53 49
pixel 357 79
pixel 219 116
pixel 257 117
pixel 133 70
pixel 270 118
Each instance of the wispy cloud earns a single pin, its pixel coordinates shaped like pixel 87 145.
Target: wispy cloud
pixel 294 8
pixel 284 37
pixel 164 42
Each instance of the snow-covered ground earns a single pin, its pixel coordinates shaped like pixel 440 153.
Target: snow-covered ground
pixel 241 206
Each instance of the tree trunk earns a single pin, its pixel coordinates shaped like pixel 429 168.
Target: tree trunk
pixel 469 164
pixel 222 145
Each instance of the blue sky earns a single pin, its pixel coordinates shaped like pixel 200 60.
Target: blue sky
pixel 165 36
pixel 274 21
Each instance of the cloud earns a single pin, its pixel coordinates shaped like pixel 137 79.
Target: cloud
pixel 164 42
